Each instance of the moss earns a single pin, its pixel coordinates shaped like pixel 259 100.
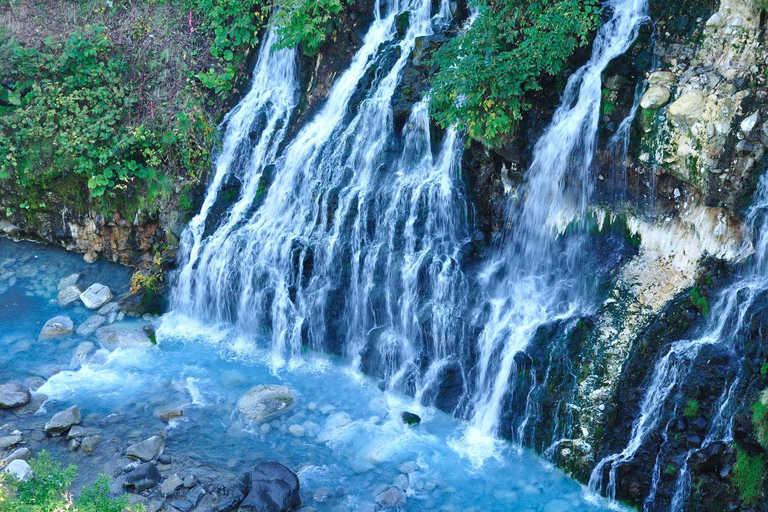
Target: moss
pixel 760 418
pixel 699 300
pixel 691 409
pixel 749 476
pixel 670 470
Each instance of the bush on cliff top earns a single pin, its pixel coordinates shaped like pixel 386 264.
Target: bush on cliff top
pixel 485 74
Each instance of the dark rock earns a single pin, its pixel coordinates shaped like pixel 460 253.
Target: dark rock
pixel 182 505
pixel 676 425
pixel 273 488
pixel 236 495
pixel 693 440
pixel 164 459
pixel 195 495
pixel 410 419
pixel 700 424
pixel 402 22
pixel 144 477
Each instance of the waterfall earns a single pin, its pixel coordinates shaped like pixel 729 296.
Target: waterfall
pixel 729 317
pixel 349 239
pixel 534 277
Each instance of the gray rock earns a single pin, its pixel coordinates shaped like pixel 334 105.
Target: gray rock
pixel 264 401
pixel 62 421
pixel 687 109
pixel 401 482
pixel 96 296
pixel 195 495
pixel 655 98
pixel 76 431
pixel 68 296
pixel 190 481
pixel 70 280
pixel 90 325
pixel 297 430
pixel 13 395
pixel 56 327
pixel 82 352
pixel 8 441
pixel 332 424
pixel 23 453
pixel 89 444
pixel 19 469
pixel 147 449
pixel 115 337
pixel 170 485
pixel 109 308
pixel 749 123
pixel 661 79
pixel 273 487
pixel 182 505
pixel 392 497
pixel 143 477
pixel 74 444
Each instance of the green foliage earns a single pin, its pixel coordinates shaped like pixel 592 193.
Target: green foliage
pixel 670 470
pixel 749 476
pixel 47 491
pixel 764 370
pixel 699 301
pixel 760 418
pixel 485 74
pixel 691 409
pixel 305 23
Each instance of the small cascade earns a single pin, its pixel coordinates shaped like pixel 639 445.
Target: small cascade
pixel 729 324
pixel 534 278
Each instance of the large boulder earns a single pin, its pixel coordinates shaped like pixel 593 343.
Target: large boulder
pixel 68 295
pixel 90 325
pixel 147 449
pixel 63 421
pixel 96 296
pixel 13 395
pixel 144 477
pixel 116 337
pixel 274 488
pixel 687 109
pixel 56 327
pixel 264 401
pixel 19 469
pixel 655 97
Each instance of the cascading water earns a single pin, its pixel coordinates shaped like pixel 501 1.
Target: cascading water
pixel 730 318
pixel 533 280
pixel 347 248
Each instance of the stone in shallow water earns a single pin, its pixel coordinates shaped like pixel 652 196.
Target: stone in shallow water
pixel 392 497
pixel 410 419
pixel 170 485
pixel 116 337
pixel 56 327
pixel 332 425
pixel 147 449
pixel 96 296
pixel 8 441
pixel 70 280
pixel 297 430
pixel 90 325
pixel 13 395
pixel 144 477
pixel 62 421
pixel 19 454
pixel 19 469
pixel 273 487
pixel 109 308
pixel 88 446
pixel 68 296
pixel 264 401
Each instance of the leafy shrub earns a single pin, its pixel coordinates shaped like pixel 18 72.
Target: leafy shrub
pixel 760 418
pixel 699 301
pixel 749 476
pixel 305 23
pixel 691 409
pixel 485 73
pixel 47 491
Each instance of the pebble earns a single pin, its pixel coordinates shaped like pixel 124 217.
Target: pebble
pixel 190 481
pixel 297 430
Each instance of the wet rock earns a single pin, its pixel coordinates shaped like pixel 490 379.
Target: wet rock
pixel 182 505
pixel 62 421
pixel 195 495
pixel 265 401
pixel 273 488
pixel 392 497
pixel 89 444
pixel 22 453
pixel 661 79
pixel 56 327
pixel 655 98
pixel 687 109
pixel 410 419
pixel 334 422
pixel 170 485
pixel 68 296
pixel 18 469
pixel 116 337
pixel 168 413
pixel 401 482
pixel 8 441
pixel 700 424
pixel 73 445
pixel 109 308
pixel 749 123
pixel 236 495
pixel 297 430
pixel 164 458
pixel 190 481
pixel 13 395
pixel 96 296
pixel 147 449
pixel 143 477
pixel 70 280
pixel 90 325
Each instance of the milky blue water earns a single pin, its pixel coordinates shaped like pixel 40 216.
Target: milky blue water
pixel 202 369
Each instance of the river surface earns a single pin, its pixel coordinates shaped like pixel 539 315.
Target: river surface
pixel 201 369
